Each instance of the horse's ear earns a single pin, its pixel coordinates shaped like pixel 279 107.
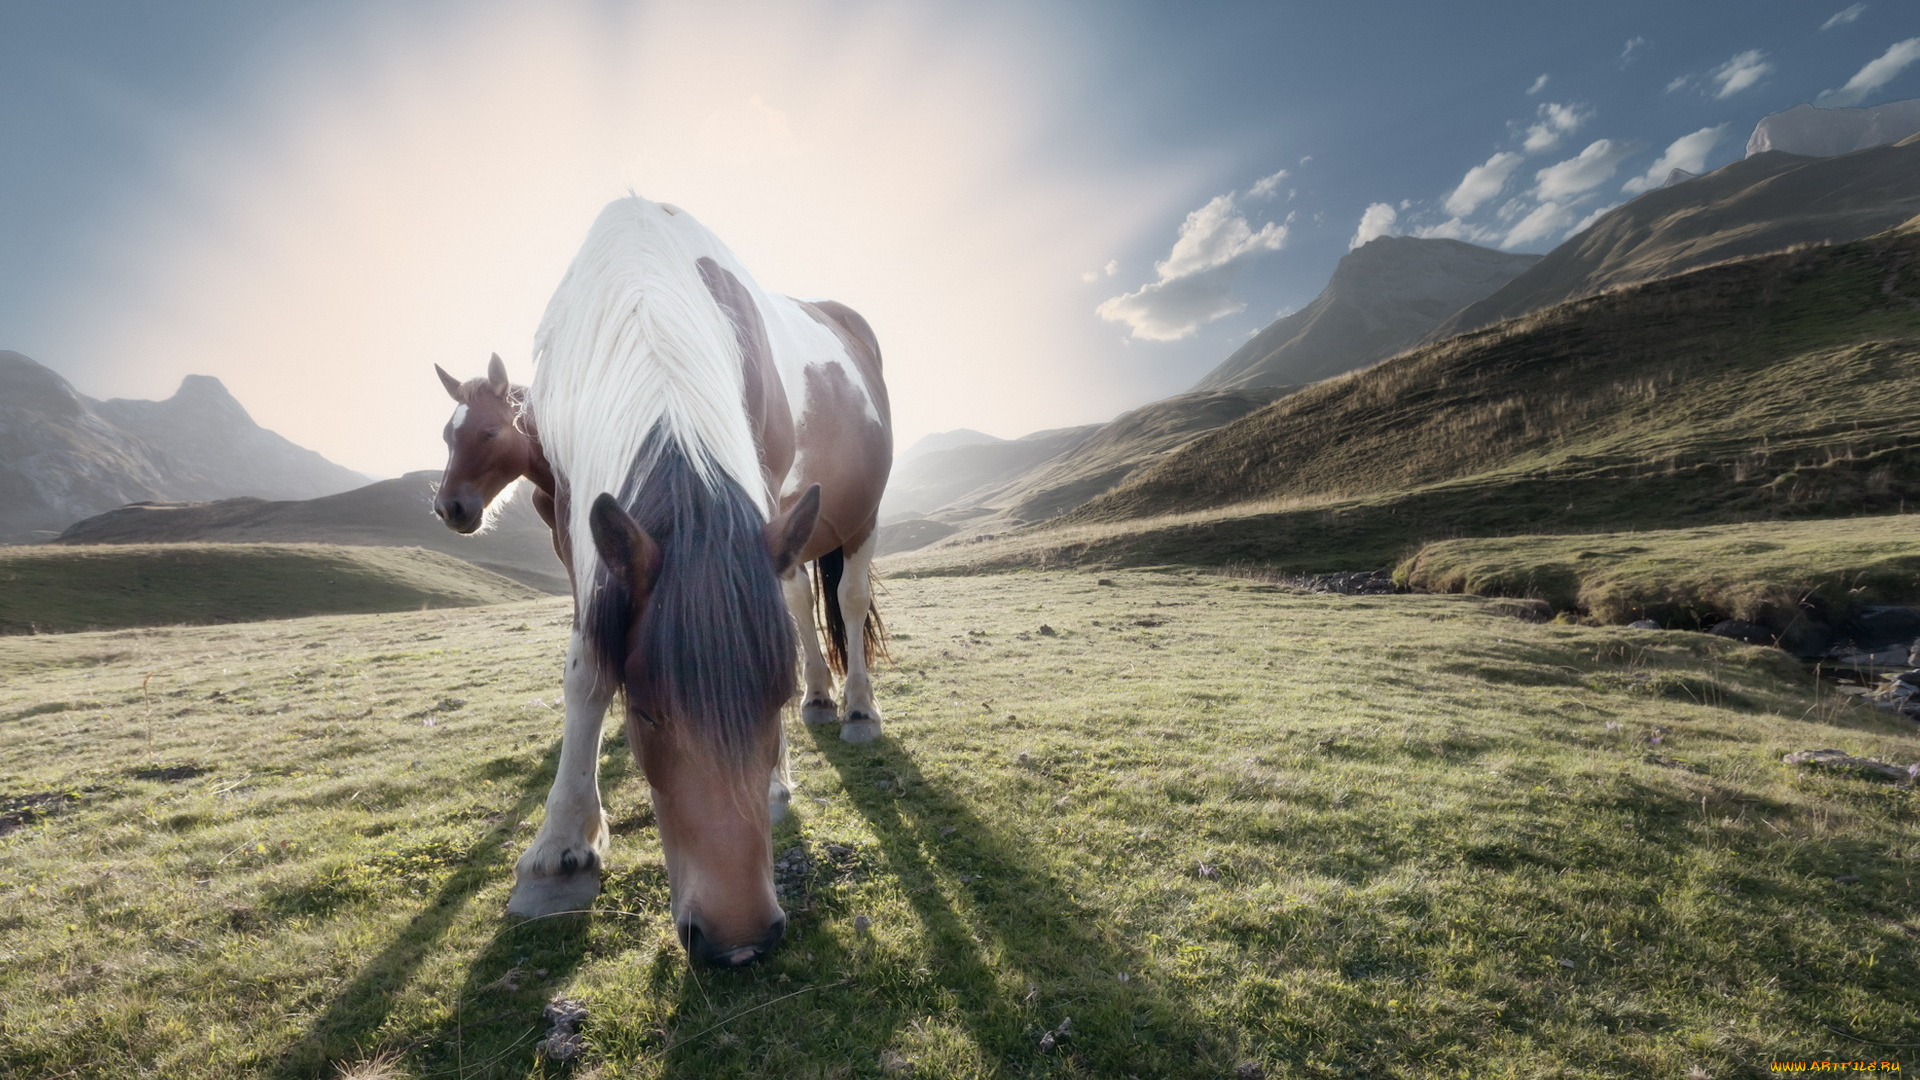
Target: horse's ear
pixel 452 384
pixel 497 376
pixel 626 549
pixel 786 535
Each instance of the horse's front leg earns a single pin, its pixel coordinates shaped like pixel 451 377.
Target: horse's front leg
pixel 862 720
pixel 561 871
pixel 817 706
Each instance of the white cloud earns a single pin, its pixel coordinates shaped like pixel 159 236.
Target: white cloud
pixel 1481 183
pixel 1194 278
pixel 1215 235
pixel 1878 73
pixel 1555 120
pixel 1456 229
pixel 1546 219
pixel 1742 71
pixel 1376 221
pixel 1679 83
pixel 1633 46
pixel 1586 170
pixel 1687 152
pixel 1844 16
pixel 1264 187
pixel 1173 308
pixel 1112 268
pixel 1539 84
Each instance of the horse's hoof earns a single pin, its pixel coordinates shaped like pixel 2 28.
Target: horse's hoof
pixel 818 712
pixel 537 896
pixel 777 799
pixel 865 729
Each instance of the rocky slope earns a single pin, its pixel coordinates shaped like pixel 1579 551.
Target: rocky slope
pixel 1383 297
pixel 1767 202
pixel 65 456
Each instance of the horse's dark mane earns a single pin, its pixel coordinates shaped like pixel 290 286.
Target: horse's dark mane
pixel 716 642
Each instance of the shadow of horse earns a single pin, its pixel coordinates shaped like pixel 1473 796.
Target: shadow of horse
pixel 514 973
pixel 1010 958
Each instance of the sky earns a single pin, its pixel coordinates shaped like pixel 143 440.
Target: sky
pixel 1050 212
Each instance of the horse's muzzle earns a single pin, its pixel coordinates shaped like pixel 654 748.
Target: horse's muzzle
pixel 704 949
pixel 460 515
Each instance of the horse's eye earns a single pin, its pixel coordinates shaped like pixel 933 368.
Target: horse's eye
pixel 493 433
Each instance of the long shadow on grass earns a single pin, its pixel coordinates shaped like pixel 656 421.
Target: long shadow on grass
pixel 349 1028
pixel 1016 954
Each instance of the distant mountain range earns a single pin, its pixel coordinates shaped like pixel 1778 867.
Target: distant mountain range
pixel 65 456
pixel 1384 297
pixel 1855 173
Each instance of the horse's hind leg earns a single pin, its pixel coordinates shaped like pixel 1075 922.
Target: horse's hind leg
pixel 561 871
pixel 862 720
pixel 817 706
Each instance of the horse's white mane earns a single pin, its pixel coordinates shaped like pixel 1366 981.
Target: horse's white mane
pixel 632 339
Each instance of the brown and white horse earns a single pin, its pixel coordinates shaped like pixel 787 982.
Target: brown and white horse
pixel 700 441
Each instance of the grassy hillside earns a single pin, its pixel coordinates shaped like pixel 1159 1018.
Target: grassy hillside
pixel 1203 828
pixel 388 513
pixel 1116 450
pixel 1750 207
pixel 1784 575
pixel 58 589
pixel 1784 386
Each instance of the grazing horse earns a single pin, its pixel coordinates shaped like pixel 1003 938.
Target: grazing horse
pixel 701 441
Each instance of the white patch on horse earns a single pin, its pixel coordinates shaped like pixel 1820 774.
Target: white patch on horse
pixel 459 416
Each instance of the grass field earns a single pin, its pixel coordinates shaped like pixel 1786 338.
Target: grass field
pixel 1194 827
pixel 1766 572
pixel 54 589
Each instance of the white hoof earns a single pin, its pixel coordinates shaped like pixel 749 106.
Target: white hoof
pixel 815 713
pixel 777 799
pixel 537 896
pixel 864 729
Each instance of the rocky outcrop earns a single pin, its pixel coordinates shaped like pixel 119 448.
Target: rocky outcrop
pixel 1811 131
pixel 65 457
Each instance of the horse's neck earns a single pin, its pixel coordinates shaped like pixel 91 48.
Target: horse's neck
pixel 538 471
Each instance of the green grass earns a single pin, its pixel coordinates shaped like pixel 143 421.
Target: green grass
pixel 1772 573
pixel 1212 822
pixel 57 589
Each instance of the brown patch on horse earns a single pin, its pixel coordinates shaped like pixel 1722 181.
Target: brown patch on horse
pixel 766 397
pixel 847 454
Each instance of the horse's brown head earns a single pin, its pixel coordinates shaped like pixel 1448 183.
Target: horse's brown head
pixel 487 447
pixel 694 624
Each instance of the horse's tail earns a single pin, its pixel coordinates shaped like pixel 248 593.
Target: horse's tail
pixel 828 570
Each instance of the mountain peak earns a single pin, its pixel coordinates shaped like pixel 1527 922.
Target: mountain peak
pixel 1383 296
